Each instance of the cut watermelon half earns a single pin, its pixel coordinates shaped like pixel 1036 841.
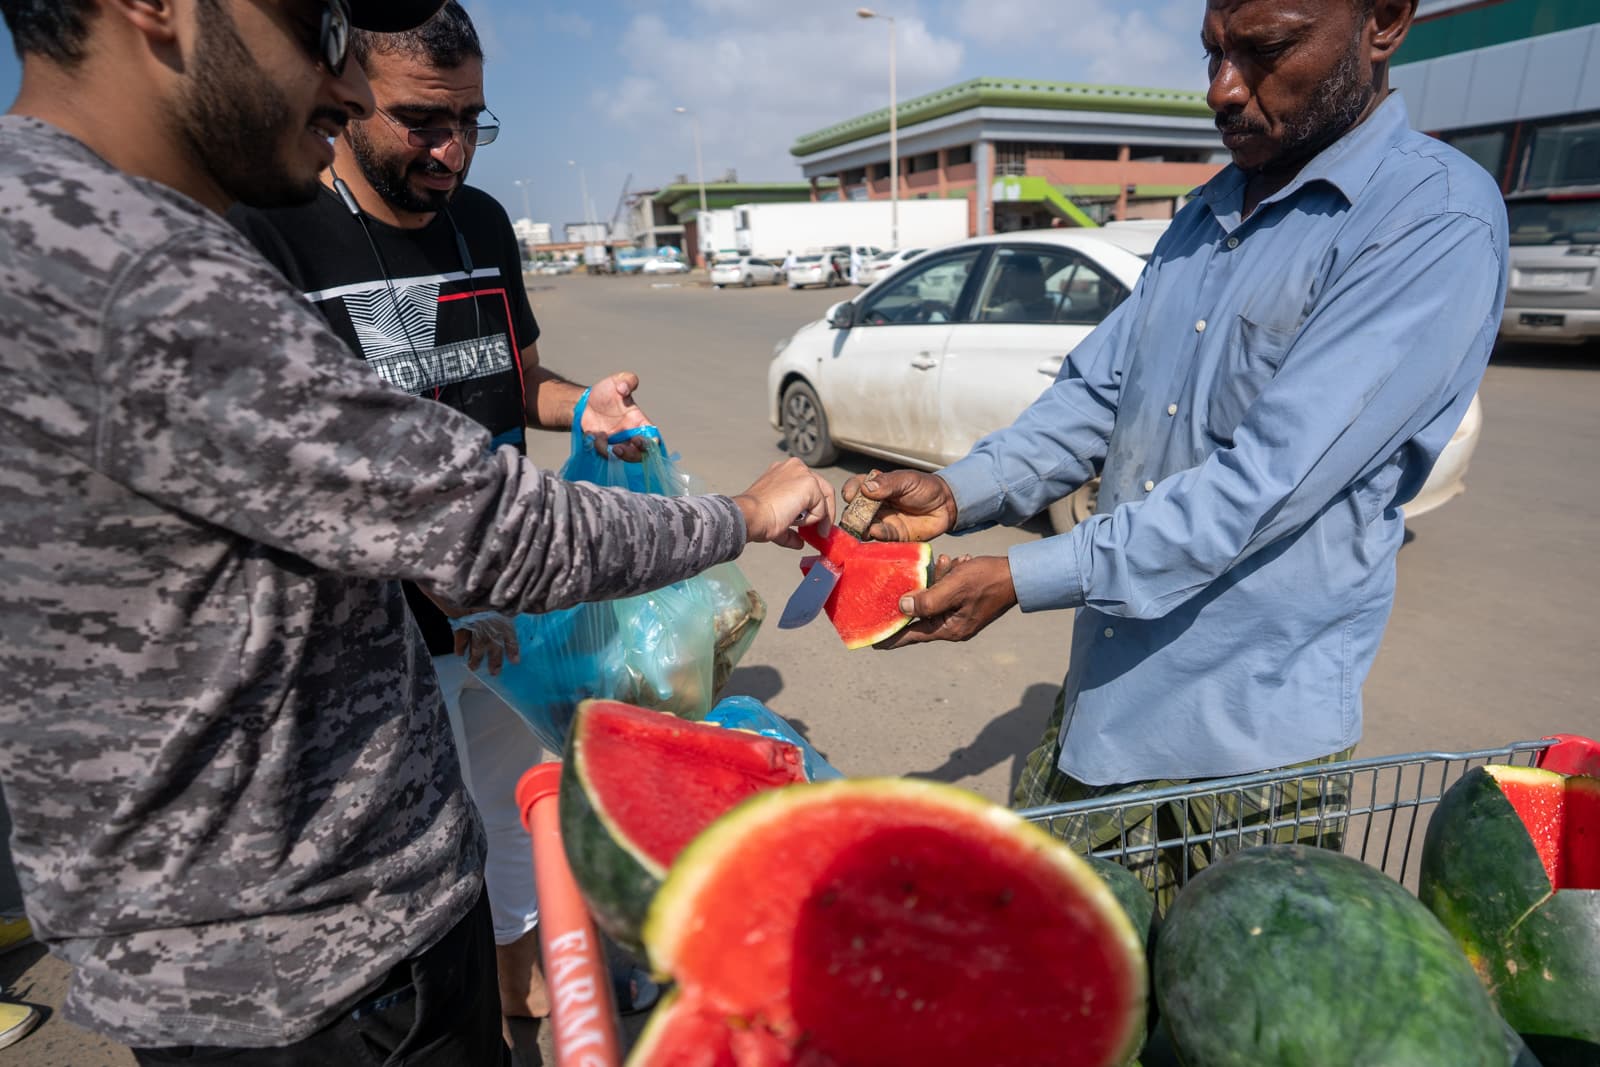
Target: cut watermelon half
pixel 638 785
pixel 864 606
pixel 890 922
pixel 1511 867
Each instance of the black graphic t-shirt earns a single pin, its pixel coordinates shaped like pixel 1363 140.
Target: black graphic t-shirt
pixel 430 321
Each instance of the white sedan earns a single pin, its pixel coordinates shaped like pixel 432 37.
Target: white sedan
pixel 818 268
pixel 958 343
pixel 663 265
pixel 745 271
pixel 884 264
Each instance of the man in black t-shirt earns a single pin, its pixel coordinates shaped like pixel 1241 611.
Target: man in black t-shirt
pixel 422 275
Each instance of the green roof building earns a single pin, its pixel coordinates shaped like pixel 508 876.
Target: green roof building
pixel 1027 153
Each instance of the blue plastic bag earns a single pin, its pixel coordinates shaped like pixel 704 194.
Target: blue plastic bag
pixel 670 650
pixel 748 713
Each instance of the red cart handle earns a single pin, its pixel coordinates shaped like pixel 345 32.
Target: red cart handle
pixel 574 961
pixel 1571 754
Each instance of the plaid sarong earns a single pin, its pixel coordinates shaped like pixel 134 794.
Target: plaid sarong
pixel 1166 846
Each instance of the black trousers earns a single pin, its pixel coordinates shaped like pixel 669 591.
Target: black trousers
pixel 439 1009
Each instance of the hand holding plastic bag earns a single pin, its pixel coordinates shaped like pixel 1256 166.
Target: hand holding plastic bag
pixel 487 635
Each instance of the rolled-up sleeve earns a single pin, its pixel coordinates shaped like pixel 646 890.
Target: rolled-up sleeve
pixel 1382 358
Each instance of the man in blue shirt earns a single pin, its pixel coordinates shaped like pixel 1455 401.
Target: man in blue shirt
pixel 1305 339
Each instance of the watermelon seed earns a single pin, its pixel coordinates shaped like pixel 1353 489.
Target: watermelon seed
pixel 833 969
pixel 900 994
pixel 857 944
pixel 1005 897
pixel 828 898
pixel 875 975
pixel 917 1005
pixel 911 902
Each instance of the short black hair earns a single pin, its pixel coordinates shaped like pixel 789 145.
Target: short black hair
pixel 446 40
pixel 53 28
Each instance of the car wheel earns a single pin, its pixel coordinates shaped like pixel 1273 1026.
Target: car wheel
pixel 805 426
pixel 749 280
pixel 794 285
pixel 1074 508
pixel 718 285
pixel 833 280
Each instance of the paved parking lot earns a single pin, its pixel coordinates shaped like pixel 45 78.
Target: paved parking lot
pixel 1491 641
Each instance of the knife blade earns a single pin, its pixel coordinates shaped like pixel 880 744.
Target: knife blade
pixel 806 602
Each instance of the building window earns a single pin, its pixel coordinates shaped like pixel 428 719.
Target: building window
pixel 1564 154
pixel 959 156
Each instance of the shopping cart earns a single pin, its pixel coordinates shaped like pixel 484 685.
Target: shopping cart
pixel 1375 809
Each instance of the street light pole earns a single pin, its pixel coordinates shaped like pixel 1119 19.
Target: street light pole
pixel 583 190
pixel 523 183
pixel 699 170
pixel 894 132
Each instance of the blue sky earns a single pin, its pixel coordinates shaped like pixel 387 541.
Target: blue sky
pixel 597 82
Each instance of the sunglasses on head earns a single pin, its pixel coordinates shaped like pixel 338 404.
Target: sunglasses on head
pixel 432 137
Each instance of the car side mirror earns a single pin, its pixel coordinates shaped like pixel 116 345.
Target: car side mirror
pixel 842 315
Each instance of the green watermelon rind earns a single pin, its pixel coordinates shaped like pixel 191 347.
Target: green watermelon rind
pixel 1303 957
pixel 669 921
pixel 1481 875
pixel 617 879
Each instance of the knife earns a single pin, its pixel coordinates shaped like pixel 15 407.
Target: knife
pixel 807 601
pixel 817 585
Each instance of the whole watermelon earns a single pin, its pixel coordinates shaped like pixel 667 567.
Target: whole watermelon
pixel 1302 957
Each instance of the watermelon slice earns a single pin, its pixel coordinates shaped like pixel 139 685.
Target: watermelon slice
pixel 883 923
pixel 638 785
pixel 1511 866
pixel 873 575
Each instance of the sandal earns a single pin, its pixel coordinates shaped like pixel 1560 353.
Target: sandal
pixel 634 991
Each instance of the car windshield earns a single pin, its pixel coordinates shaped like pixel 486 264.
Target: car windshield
pixel 1555 221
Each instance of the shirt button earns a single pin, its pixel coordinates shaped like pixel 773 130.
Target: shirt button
pixel 1233 242
pixel 1172 409
pixel 1110 632
pixel 1200 327
pixel 1149 487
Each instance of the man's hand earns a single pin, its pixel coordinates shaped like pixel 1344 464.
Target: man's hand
pixel 967 594
pixel 494 636
pixel 790 494
pixel 611 410
pixel 916 506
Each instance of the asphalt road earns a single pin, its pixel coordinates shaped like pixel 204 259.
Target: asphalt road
pixel 1491 639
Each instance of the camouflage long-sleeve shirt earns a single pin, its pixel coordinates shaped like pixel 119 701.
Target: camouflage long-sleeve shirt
pixel 235 798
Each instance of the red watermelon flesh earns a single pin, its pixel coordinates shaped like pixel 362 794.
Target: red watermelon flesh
pixel 887 923
pixel 665 779
pixel 864 606
pixel 1562 817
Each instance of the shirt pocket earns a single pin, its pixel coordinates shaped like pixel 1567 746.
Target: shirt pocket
pixel 1253 355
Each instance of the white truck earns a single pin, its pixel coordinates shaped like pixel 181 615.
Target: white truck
pixel 774 230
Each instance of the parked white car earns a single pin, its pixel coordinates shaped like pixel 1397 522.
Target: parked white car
pixel 1553 295
pixel 819 268
pixel 884 264
pixel 745 271
pixel 663 265
pixel 956 344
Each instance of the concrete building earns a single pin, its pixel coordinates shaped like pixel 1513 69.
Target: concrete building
pixel 1026 153
pixel 1515 84
pixel 587 232
pixel 532 233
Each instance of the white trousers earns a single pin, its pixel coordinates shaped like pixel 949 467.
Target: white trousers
pixel 495 747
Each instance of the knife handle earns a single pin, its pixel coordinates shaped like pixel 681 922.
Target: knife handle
pixel 859 515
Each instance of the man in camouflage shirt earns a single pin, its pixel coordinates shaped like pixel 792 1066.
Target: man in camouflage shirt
pixel 237 810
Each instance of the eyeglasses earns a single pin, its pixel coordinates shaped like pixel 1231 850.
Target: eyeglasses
pixel 432 137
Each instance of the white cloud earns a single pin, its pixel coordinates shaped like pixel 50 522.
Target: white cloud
pixel 1094 40
pixel 759 73
pixel 570 22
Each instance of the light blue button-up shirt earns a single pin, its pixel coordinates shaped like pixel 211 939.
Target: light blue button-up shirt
pixel 1260 407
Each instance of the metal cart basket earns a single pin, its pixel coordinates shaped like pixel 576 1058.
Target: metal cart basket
pixel 1375 809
